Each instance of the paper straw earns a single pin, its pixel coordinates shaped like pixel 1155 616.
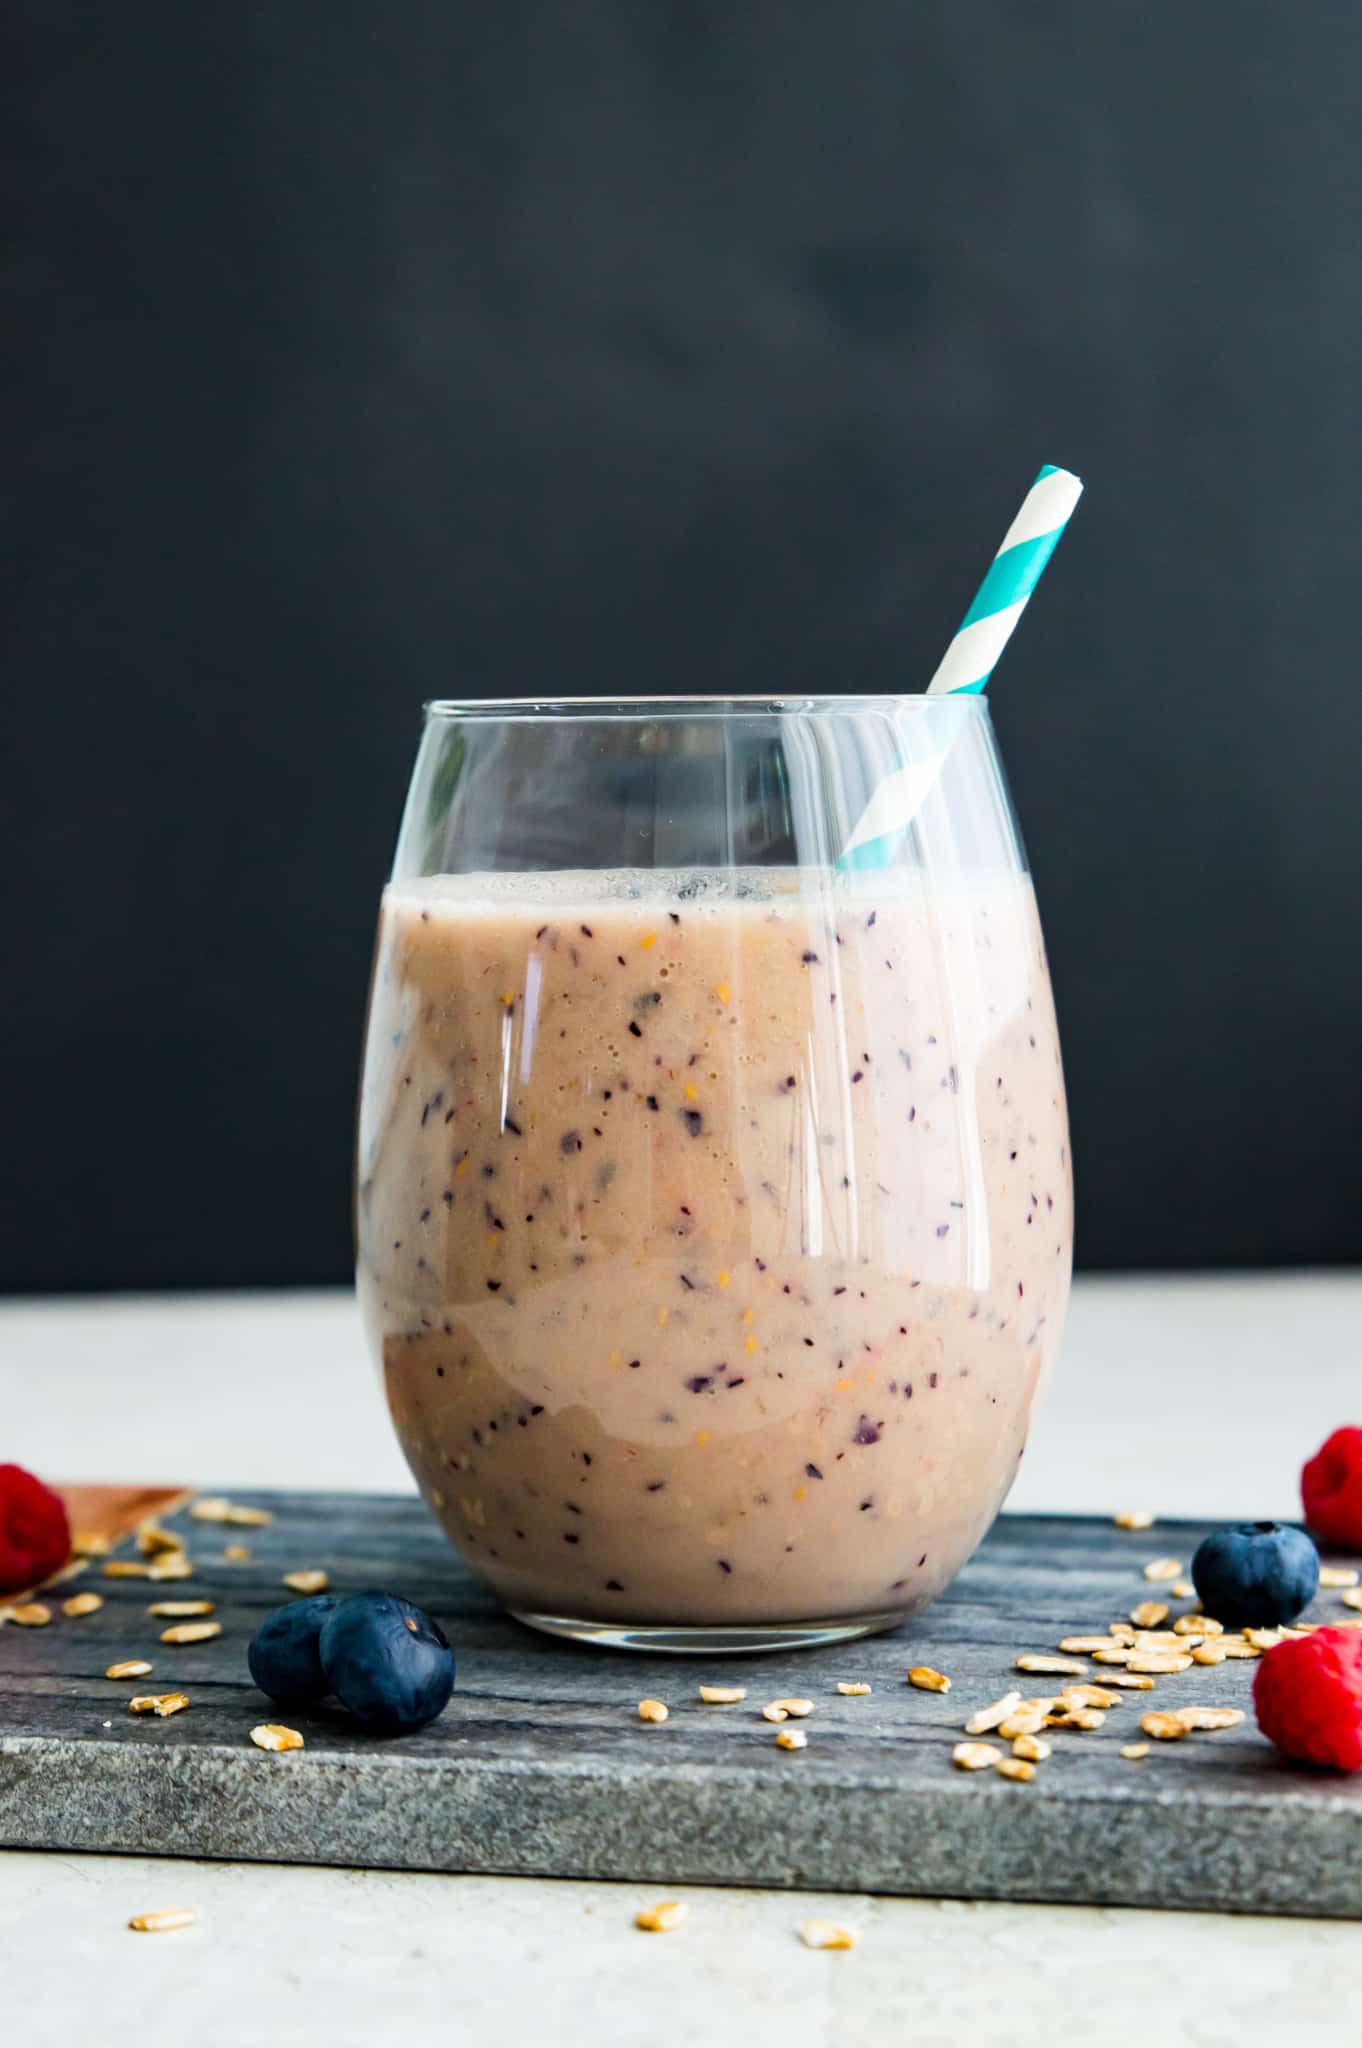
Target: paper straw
pixel 1013 574
pixel 971 658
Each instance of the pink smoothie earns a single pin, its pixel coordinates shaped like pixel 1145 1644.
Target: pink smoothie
pixel 714 1230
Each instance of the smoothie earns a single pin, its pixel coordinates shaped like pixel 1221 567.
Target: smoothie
pixel 714 1230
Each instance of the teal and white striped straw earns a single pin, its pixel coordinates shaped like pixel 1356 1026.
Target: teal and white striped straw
pixel 1013 574
pixel 970 659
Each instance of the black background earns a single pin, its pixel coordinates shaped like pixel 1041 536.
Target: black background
pixel 367 353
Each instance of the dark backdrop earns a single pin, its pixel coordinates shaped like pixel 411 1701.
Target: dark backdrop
pixel 371 352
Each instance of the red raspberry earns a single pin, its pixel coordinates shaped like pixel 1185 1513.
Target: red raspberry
pixel 1331 1489
pixel 1307 1694
pixel 35 1536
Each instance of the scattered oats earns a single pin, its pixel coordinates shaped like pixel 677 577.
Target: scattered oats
pixel 172 1565
pixel 1016 1767
pixel 1027 1721
pixel 652 1710
pixel 1113 1656
pixel 1160 1639
pixel 81 1603
pixel 661 1918
pixel 1134 1518
pixel 1164 1727
pixel 827 1934
pixel 1133 1751
pixel 163 1703
pixel 774 1713
pixel 1089 1696
pixel 852 1689
pixel 131 1667
pixel 1329 1574
pixel 192 1632
pixel 1182 1589
pixel 1208 1653
pixel 164 1922
pixel 798 1710
pixel 211 1508
pixel 1086 1645
pixel 273 1735
pixel 126 1568
pixel 1264 1638
pixel 1149 1614
pixel 1042 1706
pixel 1121 1632
pixel 248 1518
pixel 722 1695
pixel 1237 1652
pixel 975 1756
pixel 1066 1667
pixel 1033 1749
pixel 1197 1625
pixel 1161 1568
pixel 1210 1717
pixel 1127 1681
pixel 989 1718
pixel 1076 1717
pixel 237 1553
pixel 31 1614
pixel 306 1582
pixel 89 1543
pixel 153 1540
pixel 1158 1661
pixel 170 1609
pixel 792 1738
pixel 927 1680
pixel 1352 1597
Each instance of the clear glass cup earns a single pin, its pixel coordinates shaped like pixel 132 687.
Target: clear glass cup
pixel 714 1208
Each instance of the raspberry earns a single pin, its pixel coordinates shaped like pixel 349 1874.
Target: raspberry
pixel 1307 1694
pixel 1331 1489
pixel 35 1536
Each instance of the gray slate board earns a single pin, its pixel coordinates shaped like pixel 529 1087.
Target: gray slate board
pixel 541 1766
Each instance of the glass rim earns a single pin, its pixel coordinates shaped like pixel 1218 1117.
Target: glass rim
pixel 529 708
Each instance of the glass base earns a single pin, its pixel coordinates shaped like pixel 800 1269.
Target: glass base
pixel 702 1639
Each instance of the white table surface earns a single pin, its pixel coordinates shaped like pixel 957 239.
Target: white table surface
pixel 1197 1395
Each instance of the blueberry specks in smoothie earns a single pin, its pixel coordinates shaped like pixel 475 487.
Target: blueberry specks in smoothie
pixel 652 1102
pixel 489 1173
pixel 858 1076
pixel 425 1215
pixel 693 1121
pixel 571 1141
pixel 724 1565
pixel 635 1030
pixel 508 1123
pixel 813 1472
pixel 648 1000
pixel 698 1382
pixel 809 959
pixel 494 1287
pixel 655 1486
pixel 867 1432
pixel 943 1229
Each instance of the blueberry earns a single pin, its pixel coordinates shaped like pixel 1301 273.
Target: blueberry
pixel 1256 1574
pixel 387 1661
pixel 285 1655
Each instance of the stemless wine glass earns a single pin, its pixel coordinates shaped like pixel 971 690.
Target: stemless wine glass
pixel 713 1192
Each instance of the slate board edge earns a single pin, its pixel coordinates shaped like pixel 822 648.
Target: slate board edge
pixel 1282 1854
